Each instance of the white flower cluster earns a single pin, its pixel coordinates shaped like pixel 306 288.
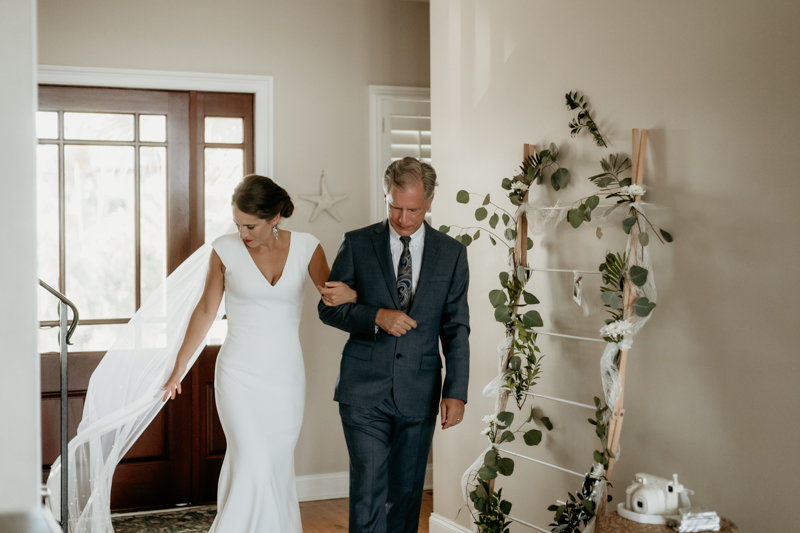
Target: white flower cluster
pixel 598 471
pixel 489 419
pixel 519 186
pixel 617 329
pixel 632 190
pixel 486 431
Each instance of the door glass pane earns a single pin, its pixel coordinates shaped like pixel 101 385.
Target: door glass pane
pixel 153 128
pixel 96 338
pixel 98 126
pixel 153 190
pixel 99 198
pixel 47 227
pixel 224 169
pixel 47 124
pixel 224 130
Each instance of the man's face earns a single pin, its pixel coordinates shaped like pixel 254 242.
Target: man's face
pixel 407 207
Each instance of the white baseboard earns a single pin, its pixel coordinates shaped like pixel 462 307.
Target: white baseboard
pixel 440 524
pixel 335 485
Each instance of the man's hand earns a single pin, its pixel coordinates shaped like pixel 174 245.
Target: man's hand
pixel 394 322
pixel 452 412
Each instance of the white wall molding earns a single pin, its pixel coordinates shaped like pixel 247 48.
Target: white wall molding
pixel 439 524
pixel 335 485
pixel 260 86
pixel 377 94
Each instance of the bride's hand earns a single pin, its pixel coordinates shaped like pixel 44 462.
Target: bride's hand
pixel 173 385
pixel 337 293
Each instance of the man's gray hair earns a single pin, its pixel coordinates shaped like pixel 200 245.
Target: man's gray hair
pixel 407 171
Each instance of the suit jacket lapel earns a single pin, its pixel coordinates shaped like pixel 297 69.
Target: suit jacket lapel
pixel 429 259
pixel 380 241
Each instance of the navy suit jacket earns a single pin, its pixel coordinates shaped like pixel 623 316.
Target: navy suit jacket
pixel 375 363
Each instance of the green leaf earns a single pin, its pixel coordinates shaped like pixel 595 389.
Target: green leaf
pixel 457 238
pixel 466 240
pixel 481 213
pixel 560 178
pixel 490 459
pixel 503 278
pixel 553 150
pixel 481 504
pixel 628 223
pixel 626 182
pixel 462 197
pixel 611 299
pixel 477 235
pixel 530 243
pixel 506 418
pixel 530 299
pixel 644 239
pixel 592 202
pixel 638 275
pixel 598 457
pixel 486 200
pixel 502 314
pixel 643 306
pixel 667 236
pixel 497 297
pixel 481 492
pixel 576 216
pixel 507 436
pixel 487 473
pixel 610 209
pixel 493 220
pixel 492 240
pixel 506 184
pixel 532 437
pixel 510 234
pixel 532 319
pixel 521 274
pixel 444 229
pixel 547 423
pixel 531 173
pixel 505 507
pixel 515 363
pixel 505 466
pixel 506 218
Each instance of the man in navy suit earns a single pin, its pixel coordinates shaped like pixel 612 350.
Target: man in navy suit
pixel 412 286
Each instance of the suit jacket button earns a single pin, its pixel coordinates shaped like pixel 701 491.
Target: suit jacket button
pixel 399 355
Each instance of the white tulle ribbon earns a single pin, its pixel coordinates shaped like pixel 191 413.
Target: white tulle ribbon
pixel 609 372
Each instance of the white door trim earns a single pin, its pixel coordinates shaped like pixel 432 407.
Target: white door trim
pixel 260 86
pixel 377 94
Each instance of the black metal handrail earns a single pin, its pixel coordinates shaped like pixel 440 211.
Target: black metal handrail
pixel 64 338
pixel 75 314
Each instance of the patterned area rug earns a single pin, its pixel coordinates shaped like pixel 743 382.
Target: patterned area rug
pixel 195 520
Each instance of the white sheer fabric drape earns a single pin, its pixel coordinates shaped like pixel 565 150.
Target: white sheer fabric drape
pixel 124 395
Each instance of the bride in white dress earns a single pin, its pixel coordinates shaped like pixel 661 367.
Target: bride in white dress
pixel 260 379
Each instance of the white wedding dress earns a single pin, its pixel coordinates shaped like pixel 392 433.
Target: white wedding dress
pixel 260 389
pixel 260 392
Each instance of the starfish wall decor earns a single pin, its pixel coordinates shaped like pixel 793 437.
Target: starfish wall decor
pixel 324 200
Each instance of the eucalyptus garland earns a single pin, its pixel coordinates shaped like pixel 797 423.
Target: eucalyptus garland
pixel 511 299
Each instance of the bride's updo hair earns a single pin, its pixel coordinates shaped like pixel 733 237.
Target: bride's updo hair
pixel 261 197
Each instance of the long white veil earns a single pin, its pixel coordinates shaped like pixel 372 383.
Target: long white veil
pixel 124 395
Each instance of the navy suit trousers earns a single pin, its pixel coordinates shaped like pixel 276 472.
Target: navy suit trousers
pixel 388 459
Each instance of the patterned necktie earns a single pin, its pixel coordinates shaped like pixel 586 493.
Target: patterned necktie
pixel 404 276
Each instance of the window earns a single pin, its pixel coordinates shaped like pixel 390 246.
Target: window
pixel 400 126
pixel 120 203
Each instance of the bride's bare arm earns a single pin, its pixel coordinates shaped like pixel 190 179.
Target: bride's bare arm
pixel 333 292
pixel 202 318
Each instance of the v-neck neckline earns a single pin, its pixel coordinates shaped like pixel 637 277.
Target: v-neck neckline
pixel 283 270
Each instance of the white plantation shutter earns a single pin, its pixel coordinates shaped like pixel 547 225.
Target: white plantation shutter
pixel 400 119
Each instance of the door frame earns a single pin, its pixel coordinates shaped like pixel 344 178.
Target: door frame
pixel 260 86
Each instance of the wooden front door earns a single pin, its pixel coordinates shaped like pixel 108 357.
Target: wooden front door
pixel 123 181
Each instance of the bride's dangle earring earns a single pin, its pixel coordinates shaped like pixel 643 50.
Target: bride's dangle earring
pixel 275 231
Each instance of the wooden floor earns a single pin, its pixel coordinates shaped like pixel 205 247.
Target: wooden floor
pixel 330 516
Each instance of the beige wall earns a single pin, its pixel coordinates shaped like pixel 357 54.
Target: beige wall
pixel 20 452
pixel 712 379
pixel 322 54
